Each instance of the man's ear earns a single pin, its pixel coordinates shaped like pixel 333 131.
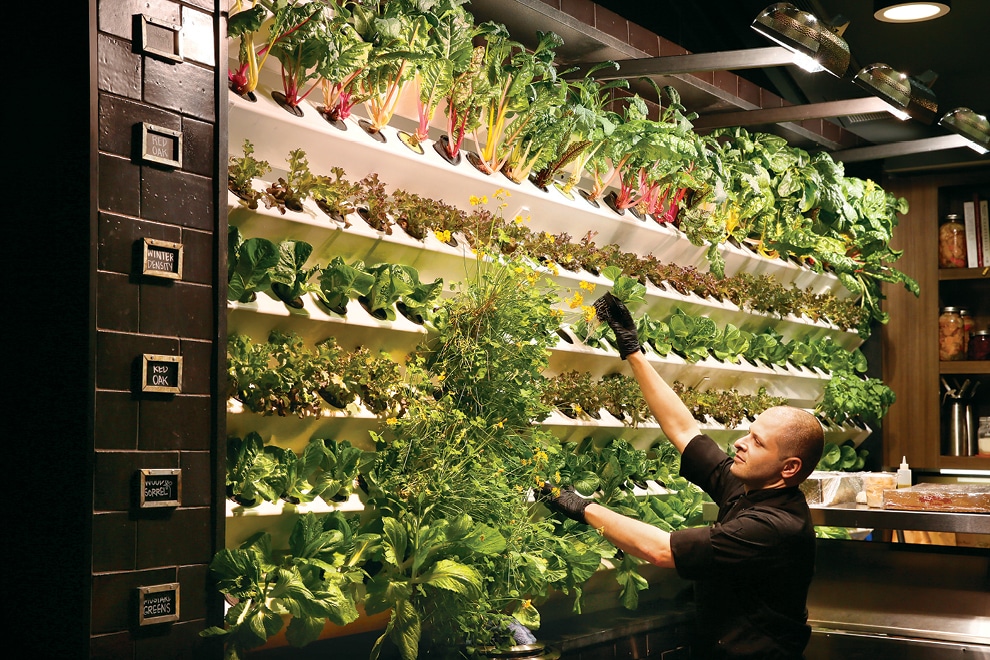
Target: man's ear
pixel 792 466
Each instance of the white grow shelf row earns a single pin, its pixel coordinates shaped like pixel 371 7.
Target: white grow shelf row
pixel 276 519
pixel 433 258
pixel 274 132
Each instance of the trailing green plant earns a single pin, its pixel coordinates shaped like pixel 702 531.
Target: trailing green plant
pixel 241 173
pixel 853 398
pixel 250 263
pixel 290 278
pixel 340 281
pixel 844 457
pixel 314 582
pixel 278 377
pixel 337 197
pixel 290 191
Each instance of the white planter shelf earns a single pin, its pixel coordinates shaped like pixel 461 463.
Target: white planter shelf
pixel 274 132
pixel 276 519
pixel 294 432
pixel 433 258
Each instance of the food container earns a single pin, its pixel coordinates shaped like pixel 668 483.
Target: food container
pixel 967 325
pixel 875 483
pixel 979 345
pixel 950 335
pixel 827 488
pixel 952 243
pixel 958 498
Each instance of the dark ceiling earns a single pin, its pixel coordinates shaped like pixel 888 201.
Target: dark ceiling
pixel 954 47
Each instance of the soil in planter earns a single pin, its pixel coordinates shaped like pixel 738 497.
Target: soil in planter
pixel 340 309
pixel 412 316
pixel 587 197
pixel 418 235
pixel 441 146
pixel 281 291
pixel 367 128
pixel 610 201
pixel 411 142
pixel 237 499
pixel 290 499
pixel 378 313
pixel 249 96
pixel 336 122
pixel 333 215
pixel 291 109
pixel 478 164
pixel 331 397
pixel 563 335
pixel 363 212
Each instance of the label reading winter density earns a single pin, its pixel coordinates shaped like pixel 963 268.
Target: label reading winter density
pixel 161 259
pixel 161 373
pixel 158 603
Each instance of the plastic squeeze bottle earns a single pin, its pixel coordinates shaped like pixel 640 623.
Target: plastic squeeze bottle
pixel 904 474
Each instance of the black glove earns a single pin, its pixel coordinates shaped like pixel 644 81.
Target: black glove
pixel 611 310
pixel 567 502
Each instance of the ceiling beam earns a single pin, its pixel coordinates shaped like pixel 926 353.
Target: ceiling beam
pixel 865 105
pixel 894 149
pixel 728 60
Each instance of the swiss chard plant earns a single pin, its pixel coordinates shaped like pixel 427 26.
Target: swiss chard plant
pixel 343 63
pixel 304 29
pixel 399 33
pixel 446 54
pixel 522 84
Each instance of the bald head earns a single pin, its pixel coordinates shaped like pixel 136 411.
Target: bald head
pixel 801 436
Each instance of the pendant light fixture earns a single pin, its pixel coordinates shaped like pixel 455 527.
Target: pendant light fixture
pixel 906 96
pixel 902 11
pixel 972 126
pixel 807 37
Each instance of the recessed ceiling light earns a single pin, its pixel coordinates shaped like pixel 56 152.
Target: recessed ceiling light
pixel 898 11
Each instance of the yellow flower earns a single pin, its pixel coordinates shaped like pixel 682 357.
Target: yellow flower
pixel 391 421
pixel 527 603
pixel 556 476
pixel 576 301
pixel 474 200
pixel 588 286
pixel 500 424
pixel 443 235
pixel 589 313
pixel 578 409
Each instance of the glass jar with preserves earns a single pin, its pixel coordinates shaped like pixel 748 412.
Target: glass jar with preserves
pixel 952 243
pixel 979 345
pixel 950 335
pixel 968 323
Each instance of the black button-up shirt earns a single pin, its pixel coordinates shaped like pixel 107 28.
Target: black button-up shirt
pixel 752 568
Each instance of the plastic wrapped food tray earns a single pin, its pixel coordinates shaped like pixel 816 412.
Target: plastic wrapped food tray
pixel 823 488
pixel 959 498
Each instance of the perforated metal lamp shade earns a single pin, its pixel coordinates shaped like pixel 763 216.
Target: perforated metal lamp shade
pixel 901 91
pixel 972 126
pixel 804 34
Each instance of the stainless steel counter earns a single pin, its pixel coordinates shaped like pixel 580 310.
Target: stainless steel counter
pixel 859 515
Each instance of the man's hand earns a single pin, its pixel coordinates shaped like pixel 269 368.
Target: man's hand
pixel 611 310
pixel 566 501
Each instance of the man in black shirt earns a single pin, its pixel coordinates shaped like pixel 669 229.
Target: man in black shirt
pixel 753 567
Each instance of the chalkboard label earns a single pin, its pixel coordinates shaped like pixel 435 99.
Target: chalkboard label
pixel 160 487
pixel 161 259
pixel 160 39
pixel 161 145
pixel 158 603
pixel 161 373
